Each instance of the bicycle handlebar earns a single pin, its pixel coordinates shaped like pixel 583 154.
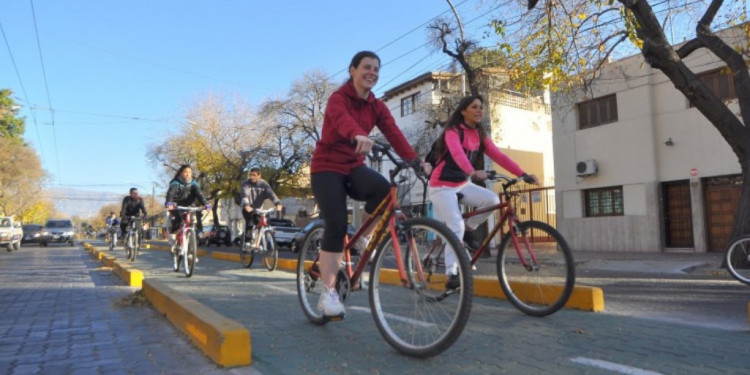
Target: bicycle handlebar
pixel 380 149
pixel 495 176
pixel 189 209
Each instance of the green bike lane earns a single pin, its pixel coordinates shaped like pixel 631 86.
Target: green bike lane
pixel 498 339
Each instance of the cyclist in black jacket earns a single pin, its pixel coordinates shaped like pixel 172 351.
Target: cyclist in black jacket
pixel 132 205
pixel 183 191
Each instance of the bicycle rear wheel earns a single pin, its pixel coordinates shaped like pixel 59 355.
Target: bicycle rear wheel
pixel 270 253
pixel 191 254
pixel 309 285
pixel 246 254
pixel 545 284
pixel 738 259
pixel 407 312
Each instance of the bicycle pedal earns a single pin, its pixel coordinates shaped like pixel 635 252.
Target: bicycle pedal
pixel 334 318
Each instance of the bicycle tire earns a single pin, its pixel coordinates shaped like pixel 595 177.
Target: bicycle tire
pixel 309 285
pixel 246 255
pixel 270 252
pixel 546 288
pixel 176 258
pixel 128 246
pixel 112 240
pixel 737 259
pixel 409 322
pixel 136 246
pixel 191 254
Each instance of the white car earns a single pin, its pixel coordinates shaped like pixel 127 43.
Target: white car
pixel 10 233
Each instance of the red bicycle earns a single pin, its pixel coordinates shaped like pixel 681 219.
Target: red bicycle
pixel 185 249
pixel 415 313
pixel 534 263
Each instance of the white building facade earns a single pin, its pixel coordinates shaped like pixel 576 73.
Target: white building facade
pixel 638 169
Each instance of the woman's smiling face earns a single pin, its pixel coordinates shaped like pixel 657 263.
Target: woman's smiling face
pixel 366 74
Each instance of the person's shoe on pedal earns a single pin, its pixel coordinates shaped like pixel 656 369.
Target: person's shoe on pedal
pixel 330 304
pixel 452 283
pixel 471 242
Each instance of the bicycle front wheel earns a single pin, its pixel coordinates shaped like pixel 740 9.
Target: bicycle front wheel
pixel 406 310
pixel 738 259
pixel 136 246
pixel 309 284
pixel 270 253
pixel 246 255
pixel 543 285
pixel 127 246
pixel 191 255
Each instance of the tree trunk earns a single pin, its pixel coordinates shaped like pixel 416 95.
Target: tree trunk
pixel 215 212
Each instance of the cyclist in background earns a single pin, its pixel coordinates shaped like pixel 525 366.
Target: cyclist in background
pixel 183 191
pixel 338 165
pixel 255 191
pixel 112 222
pixel 132 205
pixel 462 139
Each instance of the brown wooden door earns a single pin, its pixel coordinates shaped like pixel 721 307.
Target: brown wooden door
pixel 722 199
pixel 678 216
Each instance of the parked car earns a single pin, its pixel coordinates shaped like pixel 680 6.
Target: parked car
pixel 10 233
pixel 31 233
pixel 58 230
pixel 216 235
pixel 300 236
pixel 284 231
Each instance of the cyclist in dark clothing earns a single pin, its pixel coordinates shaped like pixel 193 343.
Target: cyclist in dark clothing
pixel 183 191
pixel 132 205
pixel 255 191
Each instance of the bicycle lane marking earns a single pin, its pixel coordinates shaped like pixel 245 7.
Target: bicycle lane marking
pixel 612 366
pixel 393 316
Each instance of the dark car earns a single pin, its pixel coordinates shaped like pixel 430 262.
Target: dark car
pixel 300 236
pixel 31 233
pixel 284 231
pixel 58 230
pixel 216 235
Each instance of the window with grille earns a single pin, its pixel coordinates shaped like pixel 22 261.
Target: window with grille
pixel 604 202
pixel 720 82
pixel 597 112
pixel 409 104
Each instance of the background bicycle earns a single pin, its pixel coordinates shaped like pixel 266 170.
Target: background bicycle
pixel 133 238
pixel 737 259
pixel 262 242
pixel 415 316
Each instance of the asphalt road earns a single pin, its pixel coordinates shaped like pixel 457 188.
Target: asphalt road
pixel 497 340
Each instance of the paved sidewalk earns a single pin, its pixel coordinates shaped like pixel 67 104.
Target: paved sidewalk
pixel 61 315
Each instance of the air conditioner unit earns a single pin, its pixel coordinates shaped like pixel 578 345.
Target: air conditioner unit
pixel 586 168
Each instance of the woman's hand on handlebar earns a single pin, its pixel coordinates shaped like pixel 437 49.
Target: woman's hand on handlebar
pixel 363 146
pixel 479 174
pixel 531 179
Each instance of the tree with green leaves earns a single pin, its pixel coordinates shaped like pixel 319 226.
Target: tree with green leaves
pixel 11 126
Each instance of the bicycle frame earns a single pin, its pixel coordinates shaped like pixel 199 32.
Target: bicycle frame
pixel 384 218
pixel 262 227
pixel 187 222
pixel 508 214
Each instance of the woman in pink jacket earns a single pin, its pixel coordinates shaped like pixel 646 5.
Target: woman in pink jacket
pixel 462 141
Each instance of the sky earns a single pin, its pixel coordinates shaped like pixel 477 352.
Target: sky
pixel 100 81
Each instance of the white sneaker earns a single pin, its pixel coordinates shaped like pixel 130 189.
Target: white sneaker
pixel 330 304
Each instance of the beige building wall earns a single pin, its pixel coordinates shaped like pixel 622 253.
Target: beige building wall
pixel 634 153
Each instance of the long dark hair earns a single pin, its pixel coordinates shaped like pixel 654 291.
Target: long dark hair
pixel 179 171
pixel 358 59
pixel 457 118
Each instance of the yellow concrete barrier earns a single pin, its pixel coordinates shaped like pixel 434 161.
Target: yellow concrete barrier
pixel 225 341
pixel 127 273
pixel 221 255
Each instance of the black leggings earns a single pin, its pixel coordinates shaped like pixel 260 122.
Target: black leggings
pixel 331 189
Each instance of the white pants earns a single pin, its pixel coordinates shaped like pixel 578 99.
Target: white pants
pixel 446 207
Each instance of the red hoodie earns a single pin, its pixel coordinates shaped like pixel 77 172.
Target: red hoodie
pixel 348 115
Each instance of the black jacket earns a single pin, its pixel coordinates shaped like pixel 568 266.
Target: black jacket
pixel 132 207
pixel 185 194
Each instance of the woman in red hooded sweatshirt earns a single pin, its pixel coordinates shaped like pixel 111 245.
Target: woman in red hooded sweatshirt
pixel 338 165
